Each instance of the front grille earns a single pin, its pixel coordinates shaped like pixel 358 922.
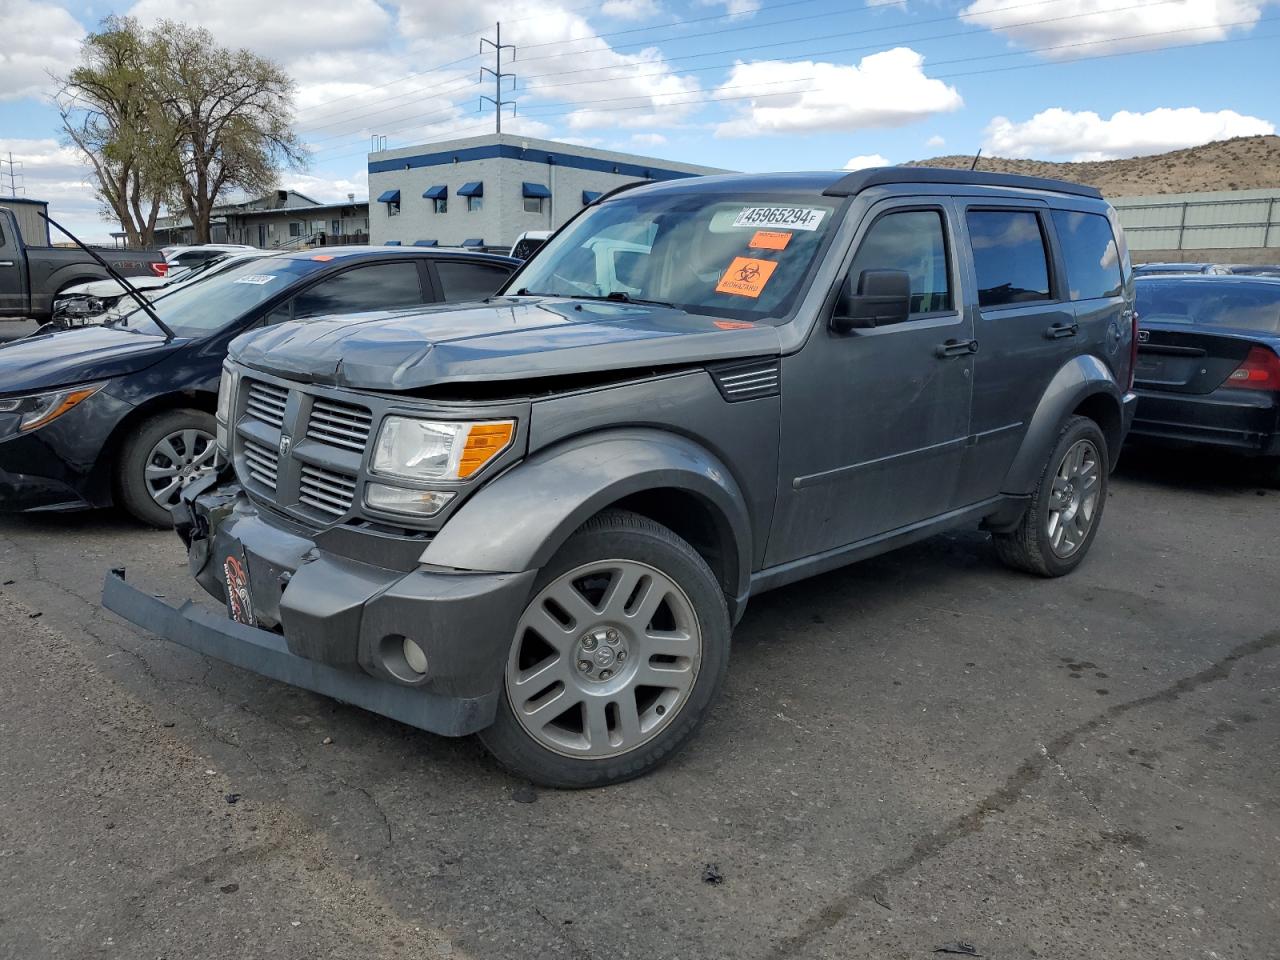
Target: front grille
pixel 263 463
pixel 326 490
pixel 341 424
pixel 266 402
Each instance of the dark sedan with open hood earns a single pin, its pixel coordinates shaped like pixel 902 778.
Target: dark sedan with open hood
pixel 124 413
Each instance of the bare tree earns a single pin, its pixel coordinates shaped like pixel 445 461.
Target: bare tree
pixel 232 111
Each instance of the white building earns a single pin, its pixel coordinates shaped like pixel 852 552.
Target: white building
pixel 490 189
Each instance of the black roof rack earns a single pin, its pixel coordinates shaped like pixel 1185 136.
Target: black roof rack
pixel 860 180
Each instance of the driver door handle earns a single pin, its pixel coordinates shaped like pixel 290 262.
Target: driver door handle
pixel 956 348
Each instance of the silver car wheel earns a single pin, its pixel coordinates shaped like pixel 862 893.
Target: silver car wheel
pixel 176 461
pixel 1073 500
pixel 604 659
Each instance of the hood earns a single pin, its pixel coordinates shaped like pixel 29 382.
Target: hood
pixel 502 339
pixel 112 288
pixel 79 355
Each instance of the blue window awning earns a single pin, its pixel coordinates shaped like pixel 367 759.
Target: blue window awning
pixel 536 190
pixel 389 196
pixel 473 189
pixel 474 242
pixel 590 196
pixel 436 193
pixel 392 243
pixel 426 243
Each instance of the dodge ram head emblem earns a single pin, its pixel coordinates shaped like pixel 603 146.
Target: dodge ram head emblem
pixel 286 442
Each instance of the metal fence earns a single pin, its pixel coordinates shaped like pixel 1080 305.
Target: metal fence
pixel 1221 220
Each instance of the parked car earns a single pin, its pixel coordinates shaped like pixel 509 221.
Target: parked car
pixel 537 517
pixel 1209 364
pixel 32 277
pixel 101 300
pixel 528 243
pixel 1161 269
pixel 125 414
pixel 1255 269
pixel 189 256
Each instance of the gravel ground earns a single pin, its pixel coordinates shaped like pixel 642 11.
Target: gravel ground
pixel 920 750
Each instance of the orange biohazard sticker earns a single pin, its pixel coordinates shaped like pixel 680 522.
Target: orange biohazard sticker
pixel 733 324
pixel 770 240
pixel 323 257
pixel 746 277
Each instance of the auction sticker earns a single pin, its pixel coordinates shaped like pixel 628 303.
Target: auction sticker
pixel 239 602
pixel 258 279
pixel 746 277
pixel 770 240
pixel 789 218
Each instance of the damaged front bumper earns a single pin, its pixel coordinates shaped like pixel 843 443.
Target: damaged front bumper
pixel 331 611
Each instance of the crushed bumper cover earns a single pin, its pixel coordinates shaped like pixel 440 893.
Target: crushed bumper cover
pixel 339 623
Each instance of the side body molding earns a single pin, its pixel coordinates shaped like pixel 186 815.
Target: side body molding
pixel 1082 377
pixel 519 520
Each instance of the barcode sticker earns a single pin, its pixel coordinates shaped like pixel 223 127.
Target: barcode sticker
pixel 788 218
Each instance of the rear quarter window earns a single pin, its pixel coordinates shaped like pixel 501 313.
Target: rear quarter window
pixel 1089 248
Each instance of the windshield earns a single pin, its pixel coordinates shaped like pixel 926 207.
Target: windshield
pixel 217 299
pixel 1244 306
pixel 743 257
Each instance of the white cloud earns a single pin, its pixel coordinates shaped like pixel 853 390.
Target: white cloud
pixel 936 141
pixel 56 174
pixel 279 29
pixel 1108 27
pixel 887 89
pixel 736 8
pixel 1084 135
pixel 630 9
pixel 39 39
pixel 648 139
pixel 328 189
pixel 867 160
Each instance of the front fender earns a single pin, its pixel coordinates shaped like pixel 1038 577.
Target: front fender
pixel 518 521
pixel 1080 379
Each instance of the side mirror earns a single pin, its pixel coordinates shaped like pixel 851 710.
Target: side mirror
pixel 882 297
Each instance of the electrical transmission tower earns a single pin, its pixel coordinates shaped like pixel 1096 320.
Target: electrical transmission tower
pixel 498 76
pixel 14 174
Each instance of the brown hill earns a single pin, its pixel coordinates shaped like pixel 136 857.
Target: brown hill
pixel 1243 163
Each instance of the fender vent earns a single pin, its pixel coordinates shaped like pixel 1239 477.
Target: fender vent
pixel 748 381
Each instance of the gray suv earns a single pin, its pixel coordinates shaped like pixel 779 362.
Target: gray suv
pixel 537 517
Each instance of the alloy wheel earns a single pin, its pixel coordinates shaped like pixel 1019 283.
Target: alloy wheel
pixel 1073 500
pixel 605 657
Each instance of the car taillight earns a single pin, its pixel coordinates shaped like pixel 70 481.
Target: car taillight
pixel 1133 347
pixel 160 269
pixel 1260 371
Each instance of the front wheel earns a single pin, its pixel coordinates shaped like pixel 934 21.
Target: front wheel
pixel 162 457
pixel 616 658
pixel 1059 526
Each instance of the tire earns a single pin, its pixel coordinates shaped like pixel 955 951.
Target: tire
pixel 581 653
pixel 1057 530
pixel 191 450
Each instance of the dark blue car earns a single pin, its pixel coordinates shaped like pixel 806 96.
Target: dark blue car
pixel 125 413
pixel 1209 363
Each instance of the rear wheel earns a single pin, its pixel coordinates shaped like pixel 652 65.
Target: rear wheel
pixel 166 454
pixel 616 658
pixel 1059 526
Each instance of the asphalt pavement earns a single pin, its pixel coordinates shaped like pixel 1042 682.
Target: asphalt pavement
pixel 923 750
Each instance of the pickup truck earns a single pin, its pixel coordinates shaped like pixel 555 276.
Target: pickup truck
pixel 31 277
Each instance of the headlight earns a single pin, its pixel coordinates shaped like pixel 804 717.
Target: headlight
pixel 38 409
pixel 413 449
pixel 225 398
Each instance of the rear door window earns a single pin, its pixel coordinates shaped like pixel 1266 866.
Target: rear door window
pixel 377 286
pixel 460 280
pixel 1089 247
pixel 1010 257
pixel 914 242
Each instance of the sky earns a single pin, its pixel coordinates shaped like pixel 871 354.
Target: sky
pixel 743 84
